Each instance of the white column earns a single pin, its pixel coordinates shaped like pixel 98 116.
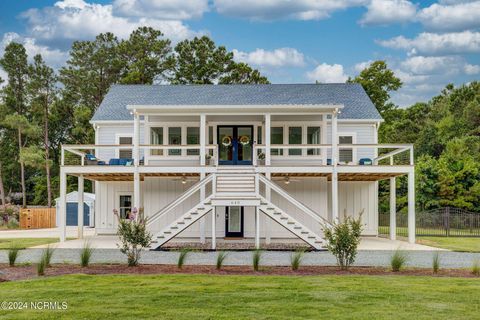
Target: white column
pixel 80 206
pixel 214 236
pixel 323 139
pixel 62 214
pixel 411 207
pixel 203 141
pixel 268 126
pixel 202 220
pixel 268 196
pixel 136 138
pixel 334 168
pixel 393 209
pixel 257 228
pixel 136 189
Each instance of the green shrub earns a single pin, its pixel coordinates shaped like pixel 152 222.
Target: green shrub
pixel 220 259
pixel 436 262
pixel 133 235
pixel 398 260
pixel 12 223
pixel 476 267
pixel 13 255
pixel 47 255
pixel 257 257
pixel 343 240
pixel 182 257
pixel 296 259
pixel 86 254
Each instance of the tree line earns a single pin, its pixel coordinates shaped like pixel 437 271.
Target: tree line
pixel 41 109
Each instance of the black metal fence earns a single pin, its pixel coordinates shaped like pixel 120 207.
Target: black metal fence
pixel 441 222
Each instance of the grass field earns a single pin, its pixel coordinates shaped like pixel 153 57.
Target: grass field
pixel 464 244
pixel 25 242
pixel 247 297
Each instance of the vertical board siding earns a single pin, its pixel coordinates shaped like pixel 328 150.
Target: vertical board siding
pixel 108 135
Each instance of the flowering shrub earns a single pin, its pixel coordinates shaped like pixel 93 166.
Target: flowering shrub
pixel 133 235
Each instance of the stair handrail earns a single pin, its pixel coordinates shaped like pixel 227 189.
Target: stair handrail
pixel 294 201
pixel 188 193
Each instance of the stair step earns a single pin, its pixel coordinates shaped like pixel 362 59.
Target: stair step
pixel 297 227
pixel 168 232
pixel 187 218
pixel 284 218
pixel 174 228
pixel 277 213
pixel 291 222
pixel 181 222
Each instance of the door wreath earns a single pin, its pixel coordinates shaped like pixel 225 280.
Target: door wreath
pixel 226 141
pixel 244 140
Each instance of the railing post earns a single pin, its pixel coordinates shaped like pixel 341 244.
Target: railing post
pixel 257 227
pixel 63 206
pixel 214 236
pixel 268 125
pixel 202 139
pixel 202 220
pixel 136 138
pixel 334 180
pixel 393 209
pixel 411 207
pixel 80 201
pixel 63 156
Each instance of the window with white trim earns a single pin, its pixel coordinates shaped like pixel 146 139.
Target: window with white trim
pixel 313 137
pixel 125 153
pixel 174 138
pixel 276 137
pixel 156 138
pixel 125 206
pixel 345 154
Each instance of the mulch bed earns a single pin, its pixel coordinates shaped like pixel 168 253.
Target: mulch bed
pixel 29 271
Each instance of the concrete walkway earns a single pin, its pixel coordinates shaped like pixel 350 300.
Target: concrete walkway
pixel 72 232
pixel 380 258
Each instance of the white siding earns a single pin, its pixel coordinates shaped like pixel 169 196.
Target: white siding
pixel 364 133
pixel 107 134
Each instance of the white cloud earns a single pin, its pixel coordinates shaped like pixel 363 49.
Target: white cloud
pixel 434 44
pixel 77 19
pixel 471 69
pixel 281 57
pixel 432 65
pixel 161 9
pixel 326 73
pixel 283 9
pixel 53 57
pixel 362 65
pixel 381 12
pixel 451 15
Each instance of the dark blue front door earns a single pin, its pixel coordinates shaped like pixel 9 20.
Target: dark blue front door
pixel 72 214
pixel 235 145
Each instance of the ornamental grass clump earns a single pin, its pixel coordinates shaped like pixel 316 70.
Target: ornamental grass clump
pixel 296 259
pixel 182 257
pixel 133 235
pixel 220 259
pixel 41 266
pixel 256 258
pixel 47 255
pixel 476 267
pixel 398 260
pixel 86 254
pixel 343 239
pixel 436 262
pixel 13 255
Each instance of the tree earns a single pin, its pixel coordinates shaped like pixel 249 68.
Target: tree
pixel 242 73
pixel 42 88
pixel 378 81
pixel 14 62
pixel 146 55
pixel 200 61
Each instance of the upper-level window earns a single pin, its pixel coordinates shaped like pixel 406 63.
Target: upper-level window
pixel 174 138
pixel 345 154
pixel 276 137
pixel 156 138
pixel 313 137
pixel 125 153
pixel 193 137
pixel 295 137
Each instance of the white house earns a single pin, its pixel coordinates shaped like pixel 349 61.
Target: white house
pixel 211 163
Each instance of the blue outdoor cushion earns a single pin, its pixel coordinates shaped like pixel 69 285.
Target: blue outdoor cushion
pixel 114 162
pixel 365 162
pixel 91 157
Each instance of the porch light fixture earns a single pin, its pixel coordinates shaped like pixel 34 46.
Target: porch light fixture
pixel 184 180
pixel 286 180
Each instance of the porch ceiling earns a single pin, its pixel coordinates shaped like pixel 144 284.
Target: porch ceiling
pixel 341 176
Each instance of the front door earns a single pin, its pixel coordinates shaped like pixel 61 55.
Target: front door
pixel 235 145
pixel 234 222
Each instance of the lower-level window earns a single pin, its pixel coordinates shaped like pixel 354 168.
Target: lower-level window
pixel 125 206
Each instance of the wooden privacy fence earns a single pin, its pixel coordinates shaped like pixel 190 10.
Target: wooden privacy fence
pixel 442 222
pixel 37 218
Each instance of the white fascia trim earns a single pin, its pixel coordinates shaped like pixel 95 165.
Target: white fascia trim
pixel 328 108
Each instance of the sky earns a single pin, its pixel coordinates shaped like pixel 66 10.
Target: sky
pixel 428 44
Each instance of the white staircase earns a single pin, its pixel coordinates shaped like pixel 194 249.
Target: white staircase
pixel 292 225
pixel 181 223
pixel 237 186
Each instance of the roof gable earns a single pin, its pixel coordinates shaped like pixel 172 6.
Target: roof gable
pixel 357 105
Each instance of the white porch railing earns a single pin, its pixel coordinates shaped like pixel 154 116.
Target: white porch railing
pixel 284 154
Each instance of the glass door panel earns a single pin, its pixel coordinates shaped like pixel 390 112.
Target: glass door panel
pixel 234 222
pixel 225 145
pixel 244 145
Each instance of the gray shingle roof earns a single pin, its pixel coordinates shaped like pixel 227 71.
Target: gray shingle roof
pixel 357 104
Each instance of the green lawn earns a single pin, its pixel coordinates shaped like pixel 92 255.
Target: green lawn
pixel 465 244
pixel 247 297
pixel 25 242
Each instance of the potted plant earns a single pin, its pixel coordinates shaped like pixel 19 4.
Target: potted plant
pixel 261 159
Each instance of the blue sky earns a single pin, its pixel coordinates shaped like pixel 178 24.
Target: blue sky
pixel 427 43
